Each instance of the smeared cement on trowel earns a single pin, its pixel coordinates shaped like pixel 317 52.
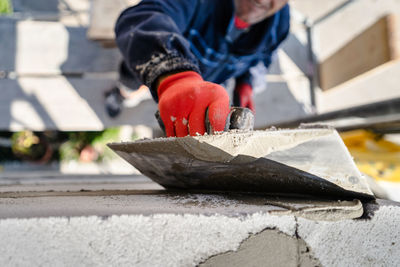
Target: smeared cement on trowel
pixel 255 144
pixel 300 161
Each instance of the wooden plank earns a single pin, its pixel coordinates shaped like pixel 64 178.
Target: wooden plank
pixel 379 84
pixel 67 104
pixel 339 29
pixel 103 15
pixel 373 47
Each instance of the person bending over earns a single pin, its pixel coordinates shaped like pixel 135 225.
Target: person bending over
pixel 184 49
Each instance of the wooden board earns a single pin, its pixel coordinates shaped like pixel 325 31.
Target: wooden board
pixel 378 84
pixel 373 47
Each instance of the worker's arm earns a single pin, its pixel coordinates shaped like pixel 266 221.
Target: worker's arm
pixel 150 38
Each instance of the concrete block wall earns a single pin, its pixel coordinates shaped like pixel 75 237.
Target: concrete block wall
pixel 161 228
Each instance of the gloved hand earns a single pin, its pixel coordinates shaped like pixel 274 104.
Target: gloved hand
pixel 243 96
pixel 183 100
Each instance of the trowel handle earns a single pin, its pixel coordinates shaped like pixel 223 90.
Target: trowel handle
pixel 238 118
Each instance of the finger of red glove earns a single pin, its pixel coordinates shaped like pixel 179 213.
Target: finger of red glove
pixel 217 114
pixel 169 123
pixel 251 105
pixel 181 127
pixel 245 93
pixel 247 101
pixel 197 120
pixel 218 109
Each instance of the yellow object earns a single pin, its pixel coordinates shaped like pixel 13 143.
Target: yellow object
pixel 374 155
pixel 5 7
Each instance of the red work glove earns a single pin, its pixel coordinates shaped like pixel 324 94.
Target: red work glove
pixel 183 101
pixel 243 96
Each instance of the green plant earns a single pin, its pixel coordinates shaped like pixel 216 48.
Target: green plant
pixel 76 141
pixel 5 7
pixel 86 141
pixel 27 145
pixel 100 142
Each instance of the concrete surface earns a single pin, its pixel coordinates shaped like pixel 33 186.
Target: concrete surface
pixel 33 103
pixel 130 221
pixel 41 182
pixel 145 228
pixel 142 200
pixel 40 103
pixel 49 48
pixel 103 16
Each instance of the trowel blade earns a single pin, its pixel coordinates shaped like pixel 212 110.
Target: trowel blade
pixel 288 162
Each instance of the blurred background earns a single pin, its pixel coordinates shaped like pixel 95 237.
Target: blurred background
pixel 340 65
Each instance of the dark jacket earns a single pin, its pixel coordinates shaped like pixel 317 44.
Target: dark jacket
pixel 161 36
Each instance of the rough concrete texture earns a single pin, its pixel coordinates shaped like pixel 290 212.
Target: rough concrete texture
pixel 158 240
pixel 191 239
pixel 314 161
pixel 366 242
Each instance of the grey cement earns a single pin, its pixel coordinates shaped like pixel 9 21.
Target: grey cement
pixel 107 203
pixel 268 248
pixel 40 181
pixel 164 239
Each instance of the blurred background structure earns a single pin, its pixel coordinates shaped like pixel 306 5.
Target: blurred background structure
pixel 340 64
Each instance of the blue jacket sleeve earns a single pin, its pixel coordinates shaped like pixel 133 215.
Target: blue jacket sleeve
pixel 150 37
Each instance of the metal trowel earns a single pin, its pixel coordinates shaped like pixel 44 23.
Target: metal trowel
pixel 298 162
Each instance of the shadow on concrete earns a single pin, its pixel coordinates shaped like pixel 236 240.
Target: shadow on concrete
pixel 85 56
pixel 297 52
pixel 37 9
pixel 11 89
pixel 93 91
pixel 276 104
